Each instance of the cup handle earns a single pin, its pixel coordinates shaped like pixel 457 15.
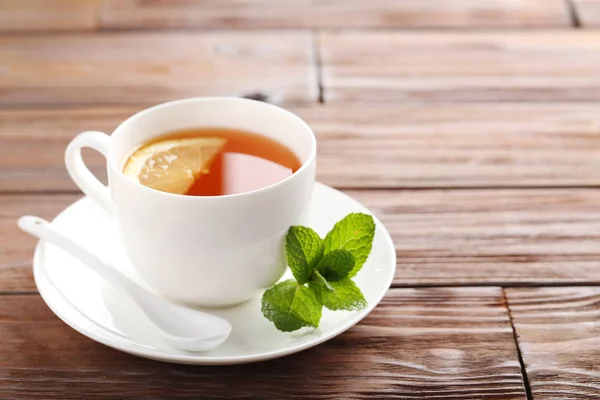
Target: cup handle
pixel 80 173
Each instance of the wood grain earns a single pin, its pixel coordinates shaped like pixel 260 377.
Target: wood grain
pixel 16 247
pixel 442 237
pixel 537 66
pixel 588 12
pixel 456 145
pixel 148 68
pixel 33 142
pixel 557 330
pixel 461 145
pixel 417 344
pixel 49 15
pixel 332 13
pixel 504 237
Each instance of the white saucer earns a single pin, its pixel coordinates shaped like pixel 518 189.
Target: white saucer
pixel 89 305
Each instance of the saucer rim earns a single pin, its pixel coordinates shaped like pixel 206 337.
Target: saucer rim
pixel 112 339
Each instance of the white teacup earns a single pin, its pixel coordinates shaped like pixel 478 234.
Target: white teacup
pixel 207 251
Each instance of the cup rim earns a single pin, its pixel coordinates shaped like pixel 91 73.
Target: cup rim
pixel 305 165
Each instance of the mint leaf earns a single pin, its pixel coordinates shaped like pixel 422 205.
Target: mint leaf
pixel 353 233
pixel 336 265
pixel 320 279
pixel 304 247
pixel 291 306
pixel 344 296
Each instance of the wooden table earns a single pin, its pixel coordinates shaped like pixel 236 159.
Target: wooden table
pixel 471 128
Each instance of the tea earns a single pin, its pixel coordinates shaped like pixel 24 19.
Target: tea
pixel 211 162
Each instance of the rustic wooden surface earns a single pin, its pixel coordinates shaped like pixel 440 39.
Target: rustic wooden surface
pixel 419 343
pixel 587 12
pixel 558 337
pixel 16 247
pixel 504 237
pixel 48 15
pixel 66 15
pixel 432 66
pixel 471 128
pixel 151 67
pixel 332 13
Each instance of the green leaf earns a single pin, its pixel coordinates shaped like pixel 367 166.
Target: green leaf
pixel 304 247
pixel 320 279
pixel 354 233
pixel 336 265
pixel 291 306
pixel 344 296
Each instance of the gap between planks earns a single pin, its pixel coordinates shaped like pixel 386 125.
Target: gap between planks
pixel 37 192
pixel 526 382
pixel 318 64
pixel 573 14
pixel 563 285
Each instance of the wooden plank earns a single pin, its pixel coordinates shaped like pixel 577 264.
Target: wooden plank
pixel 540 66
pixel 16 247
pixel 48 15
pixel 504 237
pixel 146 68
pixel 456 145
pixel 332 13
pixel 588 12
pixel 442 237
pixel 557 330
pixel 417 344
pixel 460 145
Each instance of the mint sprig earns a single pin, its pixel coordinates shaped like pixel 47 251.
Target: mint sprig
pixel 322 269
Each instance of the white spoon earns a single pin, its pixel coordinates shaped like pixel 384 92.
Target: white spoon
pixel 183 327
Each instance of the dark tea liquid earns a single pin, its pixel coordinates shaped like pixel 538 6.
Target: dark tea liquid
pixel 248 161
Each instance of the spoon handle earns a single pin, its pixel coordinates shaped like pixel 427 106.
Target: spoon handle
pixel 182 327
pixel 42 229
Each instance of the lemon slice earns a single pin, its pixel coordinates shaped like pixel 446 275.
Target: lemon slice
pixel 173 165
